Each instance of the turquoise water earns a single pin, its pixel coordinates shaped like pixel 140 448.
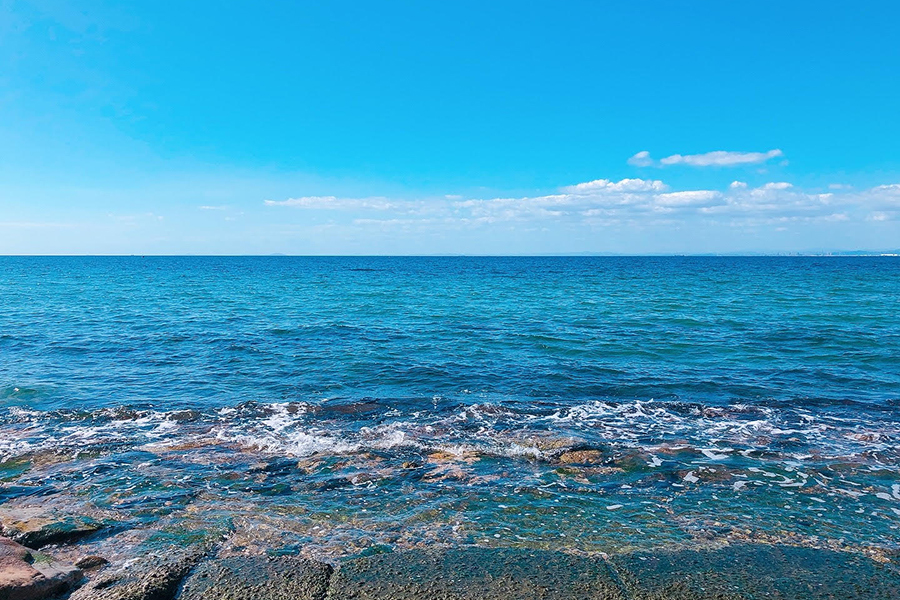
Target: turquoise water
pixel 339 405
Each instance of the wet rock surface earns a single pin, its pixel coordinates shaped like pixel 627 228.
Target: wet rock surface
pixel 34 528
pixel 155 577
pixel 581 457
pixel 741 572
pixel 475 573
pixel 91 562
pixel 189 571
pixel 259 578
pixel 752 571
pixel 29 575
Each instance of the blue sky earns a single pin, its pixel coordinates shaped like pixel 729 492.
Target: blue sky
pixel 463 127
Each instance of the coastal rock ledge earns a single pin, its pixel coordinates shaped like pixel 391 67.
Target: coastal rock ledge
pixel 259 578
pixel 736 572
pixel 476 574
pixel 34 528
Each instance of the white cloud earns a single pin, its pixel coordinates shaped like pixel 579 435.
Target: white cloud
pixel 335 203
pixel 306 202
pixel 212 207
pixel 720 158
pixel 624 185
pixel 603 202
pixel 893 188
pixel 884 199
pixel 779 221
pixel 688 198
pixel 641 159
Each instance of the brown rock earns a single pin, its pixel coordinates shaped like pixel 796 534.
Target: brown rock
pixel 29 575
pixel 581 457
pixel 442 456
pixel 91 562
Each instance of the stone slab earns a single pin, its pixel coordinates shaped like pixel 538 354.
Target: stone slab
pixel 475 574
pixel 755 571
pixel 155 577
pixel 259 578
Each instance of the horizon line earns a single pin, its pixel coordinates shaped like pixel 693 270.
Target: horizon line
pixel 786 254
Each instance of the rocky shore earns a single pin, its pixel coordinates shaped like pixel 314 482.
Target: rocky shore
pixel 194 567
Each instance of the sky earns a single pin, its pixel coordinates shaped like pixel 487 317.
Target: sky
pixel 448 128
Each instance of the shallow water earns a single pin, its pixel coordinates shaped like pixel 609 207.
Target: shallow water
pixel 340 405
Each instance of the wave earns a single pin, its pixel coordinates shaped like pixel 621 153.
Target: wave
pixel 516 431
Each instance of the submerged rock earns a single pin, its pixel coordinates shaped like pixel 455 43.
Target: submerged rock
pixel 581 457
pixel 755 571
pixel 259 578
pixel 29 575
pixel 442 456
pixel 476 574
pixel 35 528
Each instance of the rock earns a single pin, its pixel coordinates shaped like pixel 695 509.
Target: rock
pixel 29 575
pixel 184 416
pixel 745 571
pixel 91 562
pixel 12 468
pixel 755 571
pixel 259 578
pixel 155 577
pixel 34 528
pixel 476 574
pixel 581 457
pixel 469 457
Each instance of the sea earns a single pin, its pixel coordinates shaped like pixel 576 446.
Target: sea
pixel 338 406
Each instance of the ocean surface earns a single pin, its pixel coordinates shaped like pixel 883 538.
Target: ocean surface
pixel 337 406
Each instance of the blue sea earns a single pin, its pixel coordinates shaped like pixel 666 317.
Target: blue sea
pixel 335 406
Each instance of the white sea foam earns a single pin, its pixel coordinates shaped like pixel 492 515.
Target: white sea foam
pixel 295 428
